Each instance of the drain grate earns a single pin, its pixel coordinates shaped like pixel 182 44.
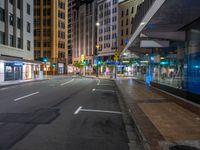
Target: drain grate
pixel 182 147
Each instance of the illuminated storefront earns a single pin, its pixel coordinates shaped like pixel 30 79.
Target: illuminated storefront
pixel 17 69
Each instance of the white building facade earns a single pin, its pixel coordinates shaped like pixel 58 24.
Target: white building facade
pixel 107 30
pixel 16 40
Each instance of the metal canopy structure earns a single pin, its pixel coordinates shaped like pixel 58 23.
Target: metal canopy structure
pixel 164 20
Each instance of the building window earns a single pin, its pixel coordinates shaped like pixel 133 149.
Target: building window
pixel 2 14
pixel 18 4
pixel 11 40
pixel 19 43
pixel 122 32
pixel 126 21
pixel 127 31
pixel 28 45
pixel 127 12
pixel 132 20
pixel 28 9
pixel 122 41
pixel 28 27
pixel 18 23
pixel 122 23
pixel 11 2
pixel 61 5
pixel 122 13
pixel 2 37
pixel 132 10
pixel 11 18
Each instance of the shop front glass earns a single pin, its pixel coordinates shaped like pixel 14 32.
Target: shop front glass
pixel 13 71
pixel 179 65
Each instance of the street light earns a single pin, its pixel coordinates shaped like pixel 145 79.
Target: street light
pixel 97 24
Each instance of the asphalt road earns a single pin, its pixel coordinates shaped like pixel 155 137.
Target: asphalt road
pixel 63 113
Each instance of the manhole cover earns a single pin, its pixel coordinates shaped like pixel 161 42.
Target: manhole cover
pixel 182 147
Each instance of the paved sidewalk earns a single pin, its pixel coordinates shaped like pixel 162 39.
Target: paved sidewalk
pixel 162 120
pixel 11 83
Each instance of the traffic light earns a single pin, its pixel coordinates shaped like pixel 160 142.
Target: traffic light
pixel 84 62
pixel 45 59
pixel 99 62
pixel 53 65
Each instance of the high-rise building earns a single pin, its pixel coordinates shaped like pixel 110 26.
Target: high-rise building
pixel 50 33
pixel 16 40
pixel 126 14
pixel 70 8
pixel 84 31
pixel 107 28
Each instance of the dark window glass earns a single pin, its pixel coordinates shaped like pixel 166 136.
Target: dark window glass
pixel 11 2
pixel 11 40
pixel 11 18
pixel 122 14
pixel 18 23
pixel 2 14
pixel 28 9
pixel 19 43
pixel 2 37
pixel 18 4
pixel 28 45
pixel 28 27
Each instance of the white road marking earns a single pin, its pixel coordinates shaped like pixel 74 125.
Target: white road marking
pixel 4 88
pixel 77 111
pixel 102 90
pixel 106 84
pixel 98 82
pixel 93 110
pixel 17 99
pixel 67 82
pixel 101 111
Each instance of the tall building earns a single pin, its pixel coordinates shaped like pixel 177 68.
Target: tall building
pixel 84 31
pixel 70 8
pixel 107 29
pixel 126 14
pixel 50 33
pixel 16 40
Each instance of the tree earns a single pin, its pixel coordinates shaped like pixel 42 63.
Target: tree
pixel 78 65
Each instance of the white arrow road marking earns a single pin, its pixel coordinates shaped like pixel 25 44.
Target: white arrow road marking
pixel 102 90
pixel 67 82
pixel 97 111
pixel 105 84
pixel 17 99
pixel 77 111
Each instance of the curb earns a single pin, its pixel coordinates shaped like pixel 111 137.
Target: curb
pixel 140 134
pixel 21 83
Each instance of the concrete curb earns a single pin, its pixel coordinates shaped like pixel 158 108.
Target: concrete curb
pixel 140 134
pixel 21 83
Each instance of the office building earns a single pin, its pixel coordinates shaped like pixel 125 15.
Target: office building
pixel 84 31
pixel 16 40
pixel 50 34
pixel 126 14
pixel 107 30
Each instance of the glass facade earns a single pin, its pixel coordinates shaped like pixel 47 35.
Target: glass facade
pixel 13 71
pixel 179 65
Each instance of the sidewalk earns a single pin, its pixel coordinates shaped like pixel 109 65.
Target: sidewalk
pixel 17 82
pixel 162 120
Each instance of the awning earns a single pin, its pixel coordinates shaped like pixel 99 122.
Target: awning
pixel 10 58
pixel 165 19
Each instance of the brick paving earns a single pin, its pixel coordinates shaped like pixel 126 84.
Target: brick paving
pixel 161 118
